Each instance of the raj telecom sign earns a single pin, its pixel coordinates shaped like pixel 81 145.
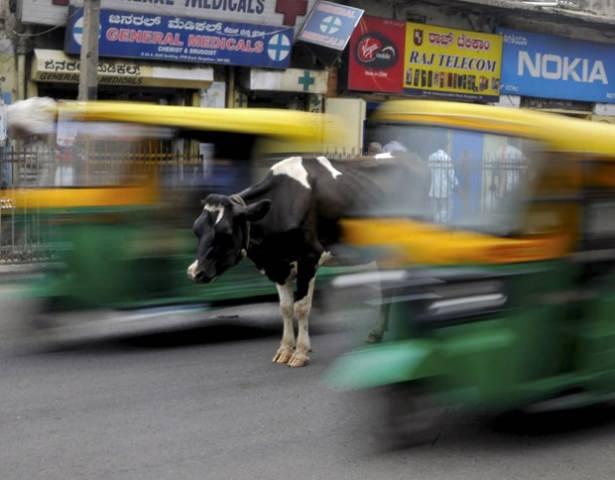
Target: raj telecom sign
pixel 545 66
pixel 452 63
pixel 330 25
pixel 181 39
pixel 290 13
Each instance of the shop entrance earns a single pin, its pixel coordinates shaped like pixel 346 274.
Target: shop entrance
pixel 290 101
pixel 162 96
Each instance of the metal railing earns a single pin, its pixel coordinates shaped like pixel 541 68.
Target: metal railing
pixel 474 188
pixel 24 231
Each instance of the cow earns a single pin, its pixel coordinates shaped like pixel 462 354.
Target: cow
pixel 288 222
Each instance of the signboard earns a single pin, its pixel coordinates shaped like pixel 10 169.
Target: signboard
pixel 330 25
pixel 546 66
pixel 452 63
pixel 289 80
pixel 290 13
pixel 182 39
pixel 376 56
pixel 56 66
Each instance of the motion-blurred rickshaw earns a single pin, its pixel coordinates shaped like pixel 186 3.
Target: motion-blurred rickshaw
pixel 120 188
pixel 501 295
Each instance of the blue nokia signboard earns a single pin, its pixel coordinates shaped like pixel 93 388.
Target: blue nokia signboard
pixel 181 39
pixel 546 66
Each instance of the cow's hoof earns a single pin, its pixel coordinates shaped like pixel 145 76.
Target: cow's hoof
pixel 374 337
pixel 299 359
pixel 283 355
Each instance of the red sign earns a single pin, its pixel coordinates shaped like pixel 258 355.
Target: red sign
pixel 376 59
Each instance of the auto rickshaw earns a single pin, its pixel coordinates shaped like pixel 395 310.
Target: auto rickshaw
pixel 119 189
pixel 500 295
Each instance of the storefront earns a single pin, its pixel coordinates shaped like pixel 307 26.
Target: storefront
pixel 178 47
pixel 393 59
pixel 57 75
pixel 419 60
pixel 558 74
pixel 299 89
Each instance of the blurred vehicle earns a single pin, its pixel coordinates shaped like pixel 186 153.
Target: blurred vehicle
pixel 120 194
pixel 505 300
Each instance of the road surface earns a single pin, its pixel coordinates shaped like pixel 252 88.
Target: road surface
pixel 208 404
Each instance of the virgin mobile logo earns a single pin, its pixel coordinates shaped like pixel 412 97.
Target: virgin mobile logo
pixel 374 50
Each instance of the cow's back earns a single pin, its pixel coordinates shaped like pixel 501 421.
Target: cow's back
pixel 369 186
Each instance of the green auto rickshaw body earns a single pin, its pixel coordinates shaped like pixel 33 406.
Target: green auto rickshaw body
pixel 490 320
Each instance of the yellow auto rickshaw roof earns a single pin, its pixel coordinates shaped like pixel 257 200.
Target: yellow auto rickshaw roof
pixel 290 124
pixel 560 133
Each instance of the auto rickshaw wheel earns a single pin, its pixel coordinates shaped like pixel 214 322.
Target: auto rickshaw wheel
pixel 413 415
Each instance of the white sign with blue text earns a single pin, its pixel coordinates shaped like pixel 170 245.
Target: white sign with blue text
pixel 330 25
pixel 547 66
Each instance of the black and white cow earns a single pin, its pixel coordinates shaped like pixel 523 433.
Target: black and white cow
pixel 286 223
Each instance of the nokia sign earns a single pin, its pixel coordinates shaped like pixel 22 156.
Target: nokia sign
pixel 544 66
pixel 556 67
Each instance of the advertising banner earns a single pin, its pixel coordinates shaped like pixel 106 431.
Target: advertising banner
pixel 56 66
pixel 546 66
pixel 453 63
pixel 330 25
pixel 289 80
pixel 290 13
pixel 182 39
pixel 376 56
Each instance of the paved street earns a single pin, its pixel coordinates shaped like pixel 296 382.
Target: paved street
pixel 208 404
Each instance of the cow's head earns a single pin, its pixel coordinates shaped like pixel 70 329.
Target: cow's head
pixel 223 232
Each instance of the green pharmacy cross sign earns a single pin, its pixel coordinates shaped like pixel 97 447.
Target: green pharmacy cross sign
pixel 306 80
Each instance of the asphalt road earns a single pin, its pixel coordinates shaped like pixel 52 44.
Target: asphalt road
pixel 208 404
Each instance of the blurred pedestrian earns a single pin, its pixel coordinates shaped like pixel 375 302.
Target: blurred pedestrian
pixel 394 146
pixel 510 163
pixel 443 181
pixel 374 148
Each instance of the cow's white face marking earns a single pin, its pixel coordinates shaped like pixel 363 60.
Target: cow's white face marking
pixel 192 269
pixel 219 209
pixel 293 168
pixel 324 161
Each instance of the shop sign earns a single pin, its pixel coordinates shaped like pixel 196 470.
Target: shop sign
pixel 182 39
pixel 547 66
pixel 290 80
pixel 376 57
pixel 330 25
pixel 289 13
pixel 55 66
pixel 446 62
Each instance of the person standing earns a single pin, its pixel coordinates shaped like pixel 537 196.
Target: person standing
pixel 443 182
pixel 510 162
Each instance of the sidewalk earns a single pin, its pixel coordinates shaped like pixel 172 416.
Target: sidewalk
pixel 12 272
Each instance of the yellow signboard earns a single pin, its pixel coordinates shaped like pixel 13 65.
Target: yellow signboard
pixel 448 62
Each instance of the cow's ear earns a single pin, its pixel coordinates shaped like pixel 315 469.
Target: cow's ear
pixel 258 210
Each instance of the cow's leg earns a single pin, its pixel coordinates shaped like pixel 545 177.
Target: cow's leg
pixel 375 335
pixel 303 306
pixel 287 345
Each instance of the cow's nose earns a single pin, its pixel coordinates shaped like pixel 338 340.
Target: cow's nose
pixel 199 276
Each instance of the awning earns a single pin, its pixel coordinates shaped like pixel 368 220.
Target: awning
pixel 56 66
pixel 289 80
